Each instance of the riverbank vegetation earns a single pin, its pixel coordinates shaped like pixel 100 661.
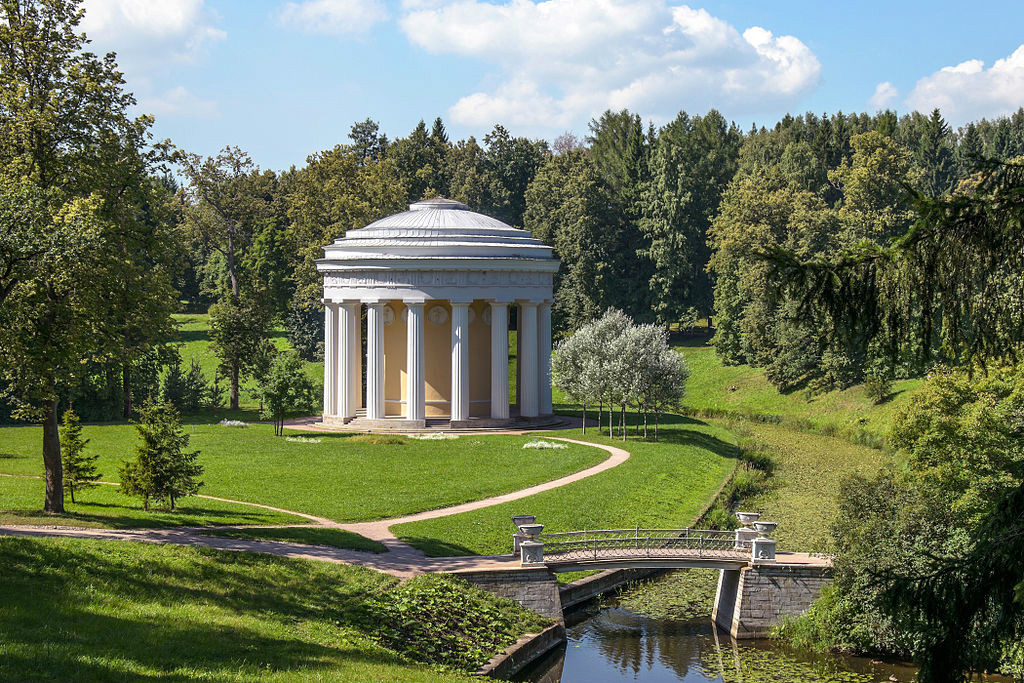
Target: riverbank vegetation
pixel 138 611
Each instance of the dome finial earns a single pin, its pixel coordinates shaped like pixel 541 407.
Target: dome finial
pixel 438 203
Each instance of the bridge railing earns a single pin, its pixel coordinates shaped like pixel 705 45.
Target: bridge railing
pixel 595 544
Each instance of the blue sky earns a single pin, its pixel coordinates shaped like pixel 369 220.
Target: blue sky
pixel 284 79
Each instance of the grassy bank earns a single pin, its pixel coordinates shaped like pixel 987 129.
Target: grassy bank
pixel 802 497
pixel 80 610
pixel 342 477
pixel 718 390
pixel 665 483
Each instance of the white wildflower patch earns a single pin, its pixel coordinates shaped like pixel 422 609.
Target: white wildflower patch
pixel 434 436
pixel 537 443
pixel 232 423
pixel 301 439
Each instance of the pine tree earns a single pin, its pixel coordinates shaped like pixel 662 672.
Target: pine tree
pixel 162 470
pixel 79 468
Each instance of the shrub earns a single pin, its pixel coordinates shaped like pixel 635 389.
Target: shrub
pixel 537 443
pixel 443 620
pixel 878 387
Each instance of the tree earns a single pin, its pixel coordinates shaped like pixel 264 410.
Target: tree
pixel 239 334
pixel 163 470
pixel 692 163
pixel 79 469
pixel 63 113
pixel 286 388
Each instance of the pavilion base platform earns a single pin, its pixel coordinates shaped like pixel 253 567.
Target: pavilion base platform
pixel 360 423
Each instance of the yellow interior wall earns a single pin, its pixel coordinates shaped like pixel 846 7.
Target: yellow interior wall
pixel 479 362
pixel 394 363
pixel 437 340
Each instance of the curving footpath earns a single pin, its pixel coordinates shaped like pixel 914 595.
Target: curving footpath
pixel 401 560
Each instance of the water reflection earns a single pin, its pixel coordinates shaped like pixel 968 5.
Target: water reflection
pixel 616 645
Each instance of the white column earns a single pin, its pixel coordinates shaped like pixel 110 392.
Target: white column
pixel 415 389
pixel 356 352
pixel 499 360
pixel 348 376
pixel 330 358
pixel 375 361
pixel 544 358
pixel 528 359
pixel 460 361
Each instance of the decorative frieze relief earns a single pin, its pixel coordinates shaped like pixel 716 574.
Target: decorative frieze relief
pixel 439 278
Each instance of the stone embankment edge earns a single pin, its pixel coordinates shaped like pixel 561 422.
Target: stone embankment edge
pixel 524 651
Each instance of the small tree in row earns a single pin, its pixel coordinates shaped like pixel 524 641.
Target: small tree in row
pixel 286 387
pixel 163 470
pixel 79 467
pixel 612 361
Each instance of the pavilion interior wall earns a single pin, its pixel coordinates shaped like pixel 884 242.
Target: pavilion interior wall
pixel 479 361
pixel 394 361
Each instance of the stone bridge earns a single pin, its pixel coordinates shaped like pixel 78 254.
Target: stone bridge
pixel 756 586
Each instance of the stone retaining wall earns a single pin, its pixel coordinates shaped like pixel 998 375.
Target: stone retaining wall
pixel 535 589
pixel 752 600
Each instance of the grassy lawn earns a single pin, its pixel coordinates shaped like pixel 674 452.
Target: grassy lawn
pixel 21 501
pixel 342 477
pixel 662 484
pixel 310 535
pixel 744 390
pixel 82 610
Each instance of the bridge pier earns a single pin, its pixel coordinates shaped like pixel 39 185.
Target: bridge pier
pixel 751 600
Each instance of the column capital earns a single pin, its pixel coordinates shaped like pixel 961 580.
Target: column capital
pixel 460 303
pixel 500 302
pixel 526 302
pixel 414 302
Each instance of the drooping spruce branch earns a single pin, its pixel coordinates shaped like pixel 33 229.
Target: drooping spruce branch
pixel 954 282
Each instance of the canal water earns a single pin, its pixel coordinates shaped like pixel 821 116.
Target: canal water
pixel 615 645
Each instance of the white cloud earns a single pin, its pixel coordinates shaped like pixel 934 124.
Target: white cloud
pixel 970 91
pixel 149 33
pixel 179 102
pixel 333 17
pixel 560 61
pixel 885 93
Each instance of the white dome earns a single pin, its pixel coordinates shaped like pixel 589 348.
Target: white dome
pixel 437 229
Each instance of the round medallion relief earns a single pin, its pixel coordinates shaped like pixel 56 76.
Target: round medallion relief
pixel 472 315
pixel 487 315
pixel 388 315
pixel 438 315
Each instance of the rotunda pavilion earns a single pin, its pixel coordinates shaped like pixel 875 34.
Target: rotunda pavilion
pixel 438 283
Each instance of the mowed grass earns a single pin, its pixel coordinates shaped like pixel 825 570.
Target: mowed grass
pixel 21 501
pixel 82 610
pixel 342 477
pixel 663 484
pixel 714 387
pixel 309 535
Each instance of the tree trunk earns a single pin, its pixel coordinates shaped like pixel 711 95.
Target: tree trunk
pixel 233 396
pixel 54 501
pixel 645 424
pixel 231 264
pixel 622 420
pixel 584 418
pixel 126 393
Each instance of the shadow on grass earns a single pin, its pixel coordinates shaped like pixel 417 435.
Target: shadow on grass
pixel 13 456
pixel 334 538
pixel 131 614
pixel 162 517
pixel 192 336
pixel 437 548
